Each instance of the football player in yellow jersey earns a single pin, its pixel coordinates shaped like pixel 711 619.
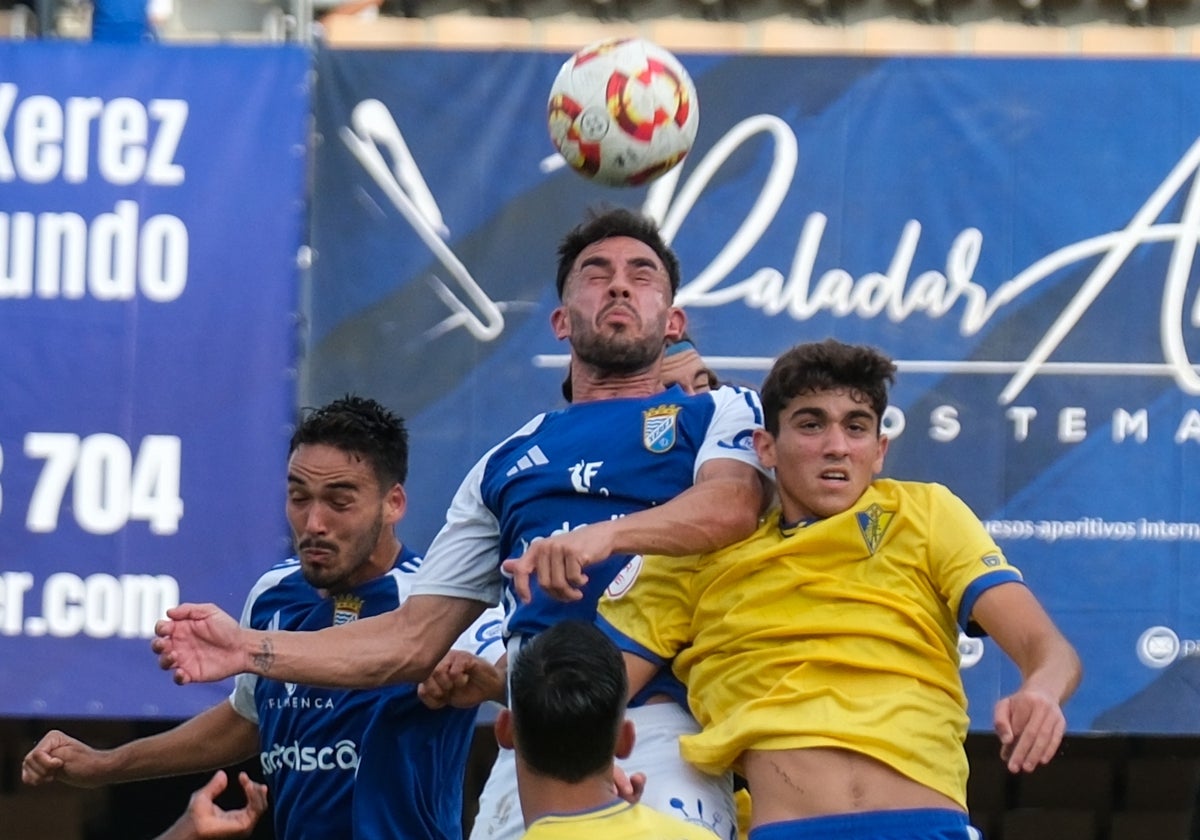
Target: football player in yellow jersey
pixel 566 723
pixel 820 654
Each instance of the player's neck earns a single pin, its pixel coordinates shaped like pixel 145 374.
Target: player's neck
pixel 541 795
pixel 590 386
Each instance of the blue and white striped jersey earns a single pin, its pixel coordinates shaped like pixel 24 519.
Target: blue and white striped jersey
pixel 361 764
pixel 582 464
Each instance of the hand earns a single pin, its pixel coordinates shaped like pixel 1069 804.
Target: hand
pixel 199 642
pixel 60 758
pixel 629 788
pixel 462 680
pixel 559 561
pixel 204 820
pixel 1030 725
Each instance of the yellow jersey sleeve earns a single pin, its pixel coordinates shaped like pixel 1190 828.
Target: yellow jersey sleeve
pixel 965 560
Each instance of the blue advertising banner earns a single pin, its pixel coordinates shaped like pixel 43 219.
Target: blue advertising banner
pixel 1018 234
pixel 151 213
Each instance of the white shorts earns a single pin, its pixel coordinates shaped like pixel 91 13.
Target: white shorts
pixel 673 786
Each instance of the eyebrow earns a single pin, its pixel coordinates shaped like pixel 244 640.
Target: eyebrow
pixel 596 260
pixel 333 485
pixel 814 411
pixel 635 262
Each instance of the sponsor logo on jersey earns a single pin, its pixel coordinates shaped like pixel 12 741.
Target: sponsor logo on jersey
pixel 582 475
pixel 533 458
pixel 341 756
pixel 625 578
pixel 873 523
pixel 299 701
pixel 658 428
pixel 346 608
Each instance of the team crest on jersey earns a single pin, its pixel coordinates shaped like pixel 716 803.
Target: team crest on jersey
pixel 346 608
pixel 658 428
pixel 873 523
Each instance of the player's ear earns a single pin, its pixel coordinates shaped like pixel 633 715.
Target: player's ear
pixel 676 324
pixel 883 448
pixel 560 322
pixel 504 729
pixel 764 445
pixel 395 503
pixel 625 739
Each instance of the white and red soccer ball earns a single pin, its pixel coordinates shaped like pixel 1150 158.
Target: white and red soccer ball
pixel 623 111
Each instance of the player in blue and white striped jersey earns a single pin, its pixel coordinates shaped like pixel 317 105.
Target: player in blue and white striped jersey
pixel 364 764
pixel 340 764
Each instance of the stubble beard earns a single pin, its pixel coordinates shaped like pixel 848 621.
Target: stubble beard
pixel 335 578
pixel 618 354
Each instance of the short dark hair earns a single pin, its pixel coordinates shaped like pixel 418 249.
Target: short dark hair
pixel 601 225
pixel 567 691
pixel 361 426
pixel 822 366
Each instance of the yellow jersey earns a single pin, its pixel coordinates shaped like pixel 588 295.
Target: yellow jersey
pixel 618 821
pixel 839 632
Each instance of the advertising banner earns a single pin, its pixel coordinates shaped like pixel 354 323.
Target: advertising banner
pixel 151 213
pixel 1018 234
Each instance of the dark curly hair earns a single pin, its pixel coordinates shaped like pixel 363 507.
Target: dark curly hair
pixel 823 366
pixel 362 426
pixel 601 225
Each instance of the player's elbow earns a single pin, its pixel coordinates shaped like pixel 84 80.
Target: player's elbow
pixel 737 519
pixel 412 666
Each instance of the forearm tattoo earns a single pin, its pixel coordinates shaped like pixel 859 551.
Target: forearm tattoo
pixel 265 658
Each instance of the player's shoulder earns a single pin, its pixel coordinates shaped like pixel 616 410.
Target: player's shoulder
pixel 408 561
pixel 284 573
pixel 517 438
pixel 737 396
pixel 281 584
pixel 915 492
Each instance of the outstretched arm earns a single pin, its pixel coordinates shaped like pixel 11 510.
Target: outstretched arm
pixel 721 508
pixel 1030 721
pixel 216 737
pixel 200 643
pixel 204 820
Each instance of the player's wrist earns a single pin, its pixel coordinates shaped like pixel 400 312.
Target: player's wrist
pixel 257 652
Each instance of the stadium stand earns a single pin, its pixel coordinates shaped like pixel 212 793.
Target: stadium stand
pixel 1110 28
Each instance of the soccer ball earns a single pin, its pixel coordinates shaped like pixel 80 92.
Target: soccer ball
pixel 623 111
